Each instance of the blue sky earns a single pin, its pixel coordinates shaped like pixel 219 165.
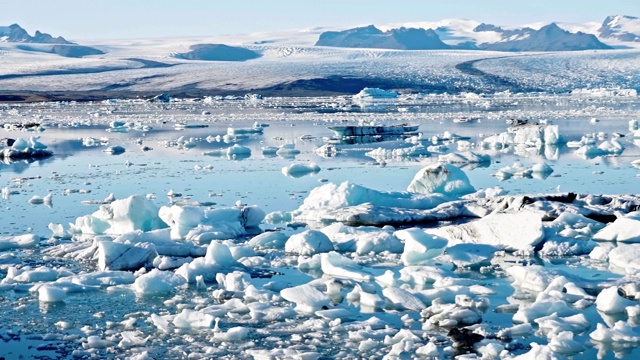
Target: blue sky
pixel 78 19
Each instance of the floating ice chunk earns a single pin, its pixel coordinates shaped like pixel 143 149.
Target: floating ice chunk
pixel 539 352
pixel 443 179
pixel 470 255
pixel 534 277
pixel 23 149
pixel 552 135
pixel 487 193
pixel 20 144
pixel 287 150
pixel 161 240
pixel 368 299
pixel 115 256
pixel 28 275
pixel 332 196
pixel 269 240
pixel 238 333
pixel 95 342
pixel 114 150
pixel 51 293
pixel 290 353
pixel 419 246
pixel 363 239
pixel 624 229
pixel 234 281
pixel 238 131
pixel 157 282
pixel 517 170
pixel 489 349
pixel 217 259
pixel 517 330
pixel 326 151
pixel 306 297
pixel 625 259
pixel 269 150
pixel 542 168
pixel 621 333
pixel 193 319
pixel 18 242
pixel 463 312
pixel 334 264
pixel 529 134
pixel 610 302
pixel 512 231
pixel 300 169
pixel 162 323
pixel 413 151
pixel 121 216
pixel 612 147
pixel 204 225
pixel 181 219
pixel 429 351
pixel 236 150
pixel 543 306
pixel 554 324
pixel 368 94
pixel 401 299
pixel 308 242
pixel 368 345
pixel 467 157
pixel 132 339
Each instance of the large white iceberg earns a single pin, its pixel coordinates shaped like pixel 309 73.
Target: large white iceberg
pixel 511 231
pixel 121 216
pixel 442 179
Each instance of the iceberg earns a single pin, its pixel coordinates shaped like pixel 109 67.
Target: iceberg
pixel 441 179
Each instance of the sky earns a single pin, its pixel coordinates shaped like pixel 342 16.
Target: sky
pixel 115 19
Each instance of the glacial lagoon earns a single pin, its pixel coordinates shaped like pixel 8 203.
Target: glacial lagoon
pixel 267 302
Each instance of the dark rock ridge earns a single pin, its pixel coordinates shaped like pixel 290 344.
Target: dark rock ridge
pixel 612 29
pixel 15 33
pixel 218 52
pixel 548 38
pixel 372 37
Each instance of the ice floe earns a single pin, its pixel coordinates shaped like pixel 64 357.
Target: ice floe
pixel 26 149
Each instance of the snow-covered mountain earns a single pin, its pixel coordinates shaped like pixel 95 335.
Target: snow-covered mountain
pixel 548 38
pixel 44 43
pixel 372 37
pixel 618 31
pixel 287 62
pixel 15 33
pixel 620 27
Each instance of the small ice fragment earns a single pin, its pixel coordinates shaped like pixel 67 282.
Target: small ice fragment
pixel 420 246
pixel 48 293
pixel 308 242
pixel 306 297
pixel 114 150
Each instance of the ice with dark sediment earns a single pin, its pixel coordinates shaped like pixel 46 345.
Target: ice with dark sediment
pixel 25 149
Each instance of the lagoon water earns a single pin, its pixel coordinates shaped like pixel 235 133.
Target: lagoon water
pixel 176 163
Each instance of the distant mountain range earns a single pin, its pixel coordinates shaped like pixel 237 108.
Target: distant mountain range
pixel 617 31
pixel 15 33
pixel 372 37
pixel 43 42
pixel 548 38
pixel 620 27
